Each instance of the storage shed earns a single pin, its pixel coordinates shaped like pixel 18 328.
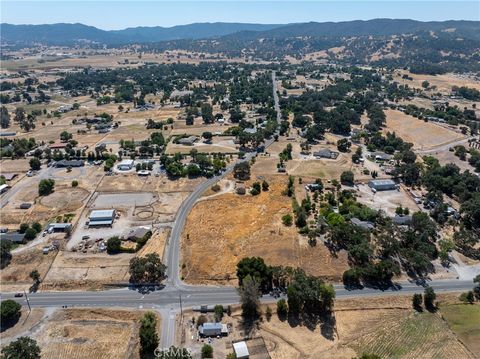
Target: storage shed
pixel 382 184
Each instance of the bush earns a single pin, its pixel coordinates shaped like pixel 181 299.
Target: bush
pixel 216 188
pixel 207 351
pixel 74 183
pixel 417 302
pixel 282 308
pixel 114 245
pixel 201 320
pixel 23 228
pixel 287 220
pixel 218 310
pixel 265 185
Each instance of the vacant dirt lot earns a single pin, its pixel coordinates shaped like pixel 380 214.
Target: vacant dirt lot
pixel 73 270
pixel 423 135
pixel 91 333
pixel 16 274
pixel 226 228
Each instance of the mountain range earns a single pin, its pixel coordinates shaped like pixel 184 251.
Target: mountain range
pixel 69 34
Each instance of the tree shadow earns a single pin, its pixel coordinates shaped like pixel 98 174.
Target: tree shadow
pixel 4 325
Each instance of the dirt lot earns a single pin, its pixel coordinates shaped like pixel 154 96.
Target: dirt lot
pixel 240 226
pixel 73 270
pixel 423 135
pixel 16 275
pixel 83 333
pixel 443 82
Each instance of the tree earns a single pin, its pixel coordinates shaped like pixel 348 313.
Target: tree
pixel 37 227
pixel 268 313
pixel 35 164
pixel 23 228
pixel 250 294
pixel 242 171
pixel 218 311
pixel 470 210
pixel 351 278
pixel 65 136
pixel 114 245
pixel 9 312
pixel 256 189
pixel 22 348
pixel 255 268
pixel 207 113
pixel 35 275
pixel 207 351
pixel 265 185
pixel 468 297
pixel 74 183
pixel 148 333
pixel 347 178
pixel 147 270
pixel 343 145
pixel 4 117
pixel 429 297
pixel 425 84
pixel 5 254
pixel 417 302
pixel 46 186
pixel 30 234
pixel 282 308
pixel 207 136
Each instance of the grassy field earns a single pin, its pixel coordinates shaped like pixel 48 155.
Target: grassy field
pixel 464 320
pixel 412 335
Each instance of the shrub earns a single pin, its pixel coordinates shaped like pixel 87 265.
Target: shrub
pixel 207 351
pixel 287 219
pixel 114 245
pixel 74 183
pixel 282 308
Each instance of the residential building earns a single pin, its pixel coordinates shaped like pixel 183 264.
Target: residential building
pixel 212 329
pixel 362 224
pixel 326 153
pixel 125 165
pixel 70 163
pixel 13 237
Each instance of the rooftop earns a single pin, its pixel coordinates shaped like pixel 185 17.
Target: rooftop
pixel 102 213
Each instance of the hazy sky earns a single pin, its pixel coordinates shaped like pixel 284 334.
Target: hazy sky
pixel 112 14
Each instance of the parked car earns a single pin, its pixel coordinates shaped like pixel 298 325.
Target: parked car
pixel 17 295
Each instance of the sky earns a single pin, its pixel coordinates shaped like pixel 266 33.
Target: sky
pixel 120 14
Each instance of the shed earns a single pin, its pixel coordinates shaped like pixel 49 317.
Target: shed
pixel 14 237
pixel 241 350
pixel 382 184
pixel 125 165
pixel 59 227
pixel 70 163
pixel 9 176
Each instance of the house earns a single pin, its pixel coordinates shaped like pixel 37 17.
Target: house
pixel 241 350
pixel 382 184
pixel 4 188
pixel 137 232
pixel 381 156
pixel 59 227
pixel 58 146
pixel 188 141
pixel 362 224
pixel 212 329
pixel 125 165
pixel 101 218
pixel 13 237
pixel 69 163
pixel 313 187
pixel 402 220
pixel 326 153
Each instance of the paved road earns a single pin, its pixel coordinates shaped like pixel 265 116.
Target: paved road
pixel 168 298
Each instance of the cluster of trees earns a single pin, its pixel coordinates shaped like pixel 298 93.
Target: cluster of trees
pixel 200 165
pixel 148 334
pixel 22 348
pixel 16 148
pixel 428 300
pixel 306 294
pixel 30 231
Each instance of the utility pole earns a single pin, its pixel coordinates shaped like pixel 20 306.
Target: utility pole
pixel 28 303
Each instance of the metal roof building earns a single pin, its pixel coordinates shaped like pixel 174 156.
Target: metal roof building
pixel 382 184
pixel 101 218
pixel 241 350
